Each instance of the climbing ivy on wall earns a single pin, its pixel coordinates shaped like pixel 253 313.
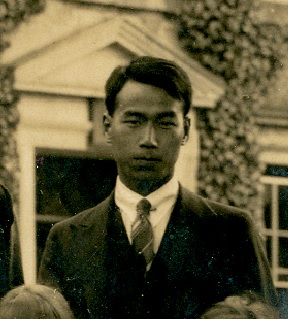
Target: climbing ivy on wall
pixel 223 36
pixel 9 118
pixel 12 13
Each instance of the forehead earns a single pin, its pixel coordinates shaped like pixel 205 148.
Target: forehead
pixel 145 98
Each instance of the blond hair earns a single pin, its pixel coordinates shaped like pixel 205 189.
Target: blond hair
pixel 245 306
pixel 34 302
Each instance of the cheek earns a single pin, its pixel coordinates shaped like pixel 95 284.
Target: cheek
pixel 173 140
pixel 122 137
pixel 171 149
pixel 122 142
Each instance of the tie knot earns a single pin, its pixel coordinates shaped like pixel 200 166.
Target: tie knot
pixel 144 206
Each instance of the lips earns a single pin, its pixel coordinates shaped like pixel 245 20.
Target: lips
pixel 147 159
pixel 147 164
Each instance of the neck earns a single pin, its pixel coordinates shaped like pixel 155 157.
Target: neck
pixel 144 187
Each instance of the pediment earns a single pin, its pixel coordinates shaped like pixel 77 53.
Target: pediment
pixel 79 63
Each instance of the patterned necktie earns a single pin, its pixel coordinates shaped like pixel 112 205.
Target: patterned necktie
pixel 142 234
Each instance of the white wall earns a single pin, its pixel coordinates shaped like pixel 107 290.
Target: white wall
pixel 45 122
pixel 273 143
pixel 187 165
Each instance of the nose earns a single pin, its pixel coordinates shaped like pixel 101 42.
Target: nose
pixel 148 137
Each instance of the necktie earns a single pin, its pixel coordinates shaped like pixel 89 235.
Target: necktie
pixel 142 234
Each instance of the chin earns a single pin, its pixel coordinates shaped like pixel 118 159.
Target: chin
pixel 153 178
pixel 149 174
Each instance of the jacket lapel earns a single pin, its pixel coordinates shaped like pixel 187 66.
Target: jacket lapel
pixel 91 251
pixel 186 229
pixel 174 260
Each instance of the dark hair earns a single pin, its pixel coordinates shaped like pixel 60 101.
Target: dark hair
pixel 161 73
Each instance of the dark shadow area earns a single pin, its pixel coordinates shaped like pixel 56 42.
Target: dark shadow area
pixel 67 185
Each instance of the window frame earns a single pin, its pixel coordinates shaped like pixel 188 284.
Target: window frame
pixel 274 232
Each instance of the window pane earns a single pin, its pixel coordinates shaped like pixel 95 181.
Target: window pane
pixel 67 185
pixel 275 208
pixel 277 170
pixel 268 248
pixel 268 206
pixel 283 207
pixel 283 252
pixel 283 277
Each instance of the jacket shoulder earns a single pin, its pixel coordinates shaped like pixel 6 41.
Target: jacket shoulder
pixel 206 207
pixel 87 217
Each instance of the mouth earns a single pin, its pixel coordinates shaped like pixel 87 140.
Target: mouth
pixel 147 159
pixel 147 164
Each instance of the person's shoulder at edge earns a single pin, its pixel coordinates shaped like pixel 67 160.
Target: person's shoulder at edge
pixel 6 207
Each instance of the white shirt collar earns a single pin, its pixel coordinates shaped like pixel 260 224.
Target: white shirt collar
pixel 164 197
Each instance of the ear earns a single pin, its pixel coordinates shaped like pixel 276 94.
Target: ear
pixel 107 119
pixel 187 124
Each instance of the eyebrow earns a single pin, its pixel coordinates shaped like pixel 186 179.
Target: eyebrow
pixel 133 113
pixel 159 115
pixel 166 114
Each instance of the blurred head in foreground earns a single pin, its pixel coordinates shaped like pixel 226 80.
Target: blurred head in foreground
pixel 34 302
pixel 245 306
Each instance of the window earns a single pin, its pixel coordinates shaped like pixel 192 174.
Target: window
pixel 275 205
pixel 67 184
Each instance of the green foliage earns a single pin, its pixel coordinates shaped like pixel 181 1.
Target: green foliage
pixel 222 35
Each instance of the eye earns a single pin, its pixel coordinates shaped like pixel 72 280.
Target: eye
pixel 133 121
pixel 166 123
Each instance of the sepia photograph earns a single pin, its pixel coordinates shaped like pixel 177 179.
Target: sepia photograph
pixel 144 159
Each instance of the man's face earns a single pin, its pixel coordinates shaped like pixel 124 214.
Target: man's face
pixel 146 132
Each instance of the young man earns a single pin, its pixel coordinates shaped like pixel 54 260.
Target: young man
pixel 173 255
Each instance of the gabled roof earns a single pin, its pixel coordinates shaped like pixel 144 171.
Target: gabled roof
pixel 79 63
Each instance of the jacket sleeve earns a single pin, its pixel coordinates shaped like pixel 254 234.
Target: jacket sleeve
pixel 244 260
pixel 16 272
pixel 248 263
pixel 6 221
pixel 61 267
pixel 50 271
pixel 268 288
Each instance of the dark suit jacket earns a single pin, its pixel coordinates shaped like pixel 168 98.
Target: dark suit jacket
pixel 6 220
pixel 10 257
pixel 209 251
